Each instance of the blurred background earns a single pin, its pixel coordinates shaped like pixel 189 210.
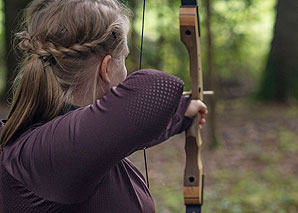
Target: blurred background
pixel 250 59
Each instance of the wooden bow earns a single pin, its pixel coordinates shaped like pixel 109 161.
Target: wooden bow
pixel 193 174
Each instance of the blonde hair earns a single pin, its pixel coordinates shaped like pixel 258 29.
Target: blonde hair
pixel 59 41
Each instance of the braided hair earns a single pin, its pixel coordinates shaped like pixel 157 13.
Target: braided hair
pixel 60 41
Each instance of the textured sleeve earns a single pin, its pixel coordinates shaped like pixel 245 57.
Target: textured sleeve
pixel 177 124
pixel 70 155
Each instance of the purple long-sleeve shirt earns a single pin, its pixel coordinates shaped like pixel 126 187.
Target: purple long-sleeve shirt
pixel 77 161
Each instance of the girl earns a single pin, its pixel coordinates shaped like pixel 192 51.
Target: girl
pixel 75 117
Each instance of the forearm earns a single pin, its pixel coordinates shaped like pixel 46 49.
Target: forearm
pixel 177 125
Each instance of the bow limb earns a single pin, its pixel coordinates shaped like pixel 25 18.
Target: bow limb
pixel 193 174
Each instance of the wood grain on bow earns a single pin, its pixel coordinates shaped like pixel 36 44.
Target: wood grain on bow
pixel 193 174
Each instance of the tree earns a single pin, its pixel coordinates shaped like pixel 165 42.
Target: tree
pixel 280 79
pixel 211 77
pixel 12 9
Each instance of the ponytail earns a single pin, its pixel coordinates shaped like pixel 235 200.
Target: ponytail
pixel 37 97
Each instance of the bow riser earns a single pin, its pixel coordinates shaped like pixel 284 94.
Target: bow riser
pixel 193 175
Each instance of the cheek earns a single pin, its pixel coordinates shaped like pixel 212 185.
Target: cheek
pixel 119 74
pixel 124 71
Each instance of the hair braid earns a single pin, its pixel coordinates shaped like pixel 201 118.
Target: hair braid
pixel 61 43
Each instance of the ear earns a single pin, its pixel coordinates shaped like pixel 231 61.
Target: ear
pixel 103 69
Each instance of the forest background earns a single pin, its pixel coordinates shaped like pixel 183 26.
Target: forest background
pixel 250 149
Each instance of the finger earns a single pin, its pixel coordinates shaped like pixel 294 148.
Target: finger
pixel 202 115
pixel 203 121
pixel 203 108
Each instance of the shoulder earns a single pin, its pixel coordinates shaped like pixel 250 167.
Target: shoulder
pixel 154 74
pixel 152 79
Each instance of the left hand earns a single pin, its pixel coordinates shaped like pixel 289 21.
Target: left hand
pixel 195 107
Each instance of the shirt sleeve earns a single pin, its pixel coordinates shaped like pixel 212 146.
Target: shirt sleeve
pixel 177 124
pixel 66 158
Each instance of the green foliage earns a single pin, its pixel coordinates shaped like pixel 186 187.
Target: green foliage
pixel 237 190
pixel 162 47
pixel 288 141
pixel 253 191
pixel 242 32
pixel 268 191
pixel 241 190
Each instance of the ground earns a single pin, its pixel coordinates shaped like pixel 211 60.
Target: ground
pixel 255 168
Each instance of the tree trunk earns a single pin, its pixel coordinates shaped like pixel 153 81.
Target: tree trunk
pixel 280 79
pixel 13 17
pixel 211 80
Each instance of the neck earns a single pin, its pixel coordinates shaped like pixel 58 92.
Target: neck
pixel 86 97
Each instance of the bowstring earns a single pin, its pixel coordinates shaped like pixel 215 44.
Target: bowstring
pixel 140 67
